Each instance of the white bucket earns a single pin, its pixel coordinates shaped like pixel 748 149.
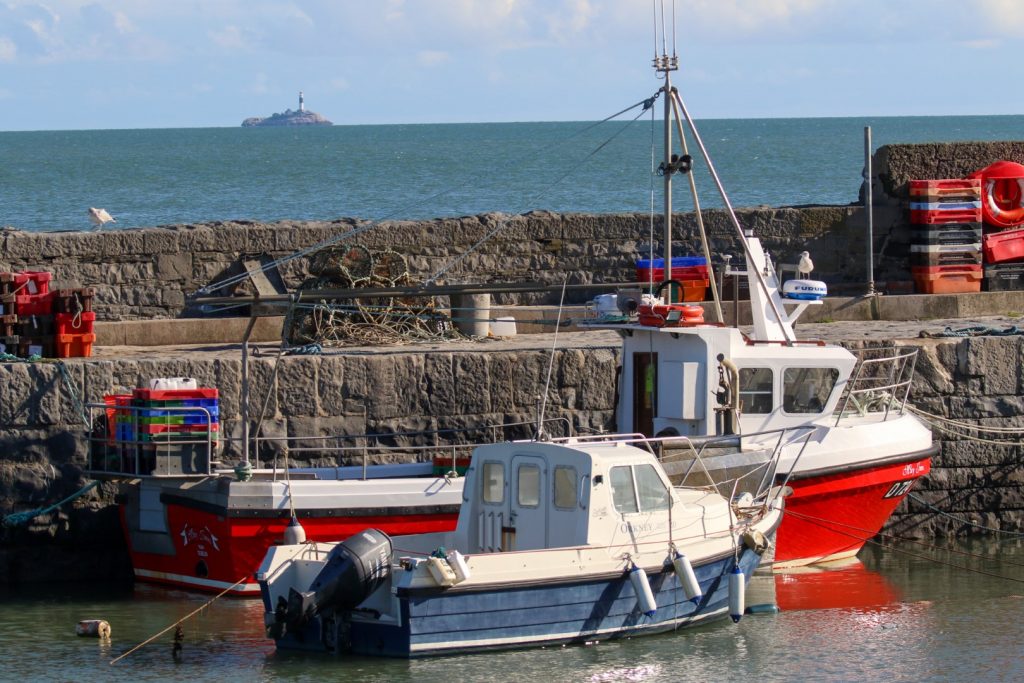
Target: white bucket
pixel 503 327
pixel 606 304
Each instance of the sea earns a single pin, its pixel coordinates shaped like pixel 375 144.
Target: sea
pixel 905 613
pixel 910 612
pixel 49 179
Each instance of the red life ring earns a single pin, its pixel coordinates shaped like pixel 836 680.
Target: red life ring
pixel 1002 185
pixel 1004 199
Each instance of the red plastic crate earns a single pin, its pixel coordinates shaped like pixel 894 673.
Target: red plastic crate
pixel 936 216
pixel 968 188
pixel 26 282
pixel 947 279
pixel 657 275
pixel 75 345
pixel 33 304
pixel 173 394
pixel 1000 247
pixel 75 323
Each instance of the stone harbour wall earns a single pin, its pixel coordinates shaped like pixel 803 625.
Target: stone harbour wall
pixel 978 380
pixel 466 388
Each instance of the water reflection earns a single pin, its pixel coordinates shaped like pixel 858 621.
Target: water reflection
pixel 848 584
pixel 894 616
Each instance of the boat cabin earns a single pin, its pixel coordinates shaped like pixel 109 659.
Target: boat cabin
pixel 535 495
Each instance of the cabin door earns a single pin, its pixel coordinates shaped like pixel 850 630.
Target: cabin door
pixel 530 499
pixel 645 392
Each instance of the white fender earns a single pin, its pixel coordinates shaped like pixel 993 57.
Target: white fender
pixel 737 599
pixel 642 588
pixel 458 565
pixel 687 577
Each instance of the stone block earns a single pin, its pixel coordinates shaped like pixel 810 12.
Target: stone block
pixel 173 267
pixel 297 386
pixel 158 241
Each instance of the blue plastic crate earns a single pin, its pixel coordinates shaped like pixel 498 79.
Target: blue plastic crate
pixel 677 262
pixel 944 206
pixel 200 402
pixel 200 419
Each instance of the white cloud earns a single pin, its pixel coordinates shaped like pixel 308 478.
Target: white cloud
pixel 430 58
pixel 230 38
pixel 1005 17
pixel 8 50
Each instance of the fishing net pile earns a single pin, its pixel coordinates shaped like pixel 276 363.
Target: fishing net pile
pixel 364 320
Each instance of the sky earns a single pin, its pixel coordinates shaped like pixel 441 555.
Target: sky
pixel 69 64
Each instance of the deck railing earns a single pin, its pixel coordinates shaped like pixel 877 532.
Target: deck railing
pixel 880 382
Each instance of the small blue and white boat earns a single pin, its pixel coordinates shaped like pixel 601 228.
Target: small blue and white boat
pixel 557 542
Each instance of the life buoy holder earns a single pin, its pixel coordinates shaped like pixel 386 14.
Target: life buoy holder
pixel 1002 188
pixel 1004 199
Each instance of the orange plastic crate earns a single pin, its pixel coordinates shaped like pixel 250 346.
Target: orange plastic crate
pixel 75 345
pixel 75 323
pixel 967 188
pixel 947 279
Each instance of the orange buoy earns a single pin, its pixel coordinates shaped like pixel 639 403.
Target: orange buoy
pixel 1002 188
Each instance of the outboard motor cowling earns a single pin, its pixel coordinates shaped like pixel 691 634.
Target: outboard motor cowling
pixel 355 568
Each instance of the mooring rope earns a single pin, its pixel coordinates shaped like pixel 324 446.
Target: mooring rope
pixel 974 331
pixel 954 428
pixel 963 520
pixel 179 622
pixel 19 518
pixel 831 525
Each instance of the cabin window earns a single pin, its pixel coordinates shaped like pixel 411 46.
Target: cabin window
pixel 493 490
pixel 528 486
pixel 652 491
pixel 565 487
pixel 755 390
pixel 806 390
pixel 623 490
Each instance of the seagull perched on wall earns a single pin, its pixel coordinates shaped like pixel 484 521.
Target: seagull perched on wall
pixel 805 266
pixel 100 216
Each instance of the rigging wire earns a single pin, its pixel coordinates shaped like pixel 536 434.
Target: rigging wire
pixel 502 224
pixel 369 225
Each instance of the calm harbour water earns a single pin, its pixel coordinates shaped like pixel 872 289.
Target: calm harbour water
pixel 896 617
pixel 48 179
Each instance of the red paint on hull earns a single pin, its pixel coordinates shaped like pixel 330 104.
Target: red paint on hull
pixel 832 515
pixel 212 552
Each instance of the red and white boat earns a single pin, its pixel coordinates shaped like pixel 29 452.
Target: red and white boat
pixel 720 401
pixel 211 532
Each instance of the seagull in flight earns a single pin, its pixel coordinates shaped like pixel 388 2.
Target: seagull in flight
pixel 806 265
pixel 100 216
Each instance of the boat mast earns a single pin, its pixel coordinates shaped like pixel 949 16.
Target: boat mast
pixel 665 64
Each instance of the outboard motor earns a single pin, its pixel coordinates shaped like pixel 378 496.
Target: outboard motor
pixel 355 568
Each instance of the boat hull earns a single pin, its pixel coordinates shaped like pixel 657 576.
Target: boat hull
pixel 213 536
pixel 831 514
pixel 212 553
pixel 439 622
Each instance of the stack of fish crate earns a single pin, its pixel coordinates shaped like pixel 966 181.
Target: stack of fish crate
pixel 689 271
pixel 945 249
pixel 36 321
pixel 174 427
pixel 27 314
pixel 72 310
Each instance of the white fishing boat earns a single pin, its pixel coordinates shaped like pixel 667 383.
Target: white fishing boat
pixel 567 542
pixel 732 393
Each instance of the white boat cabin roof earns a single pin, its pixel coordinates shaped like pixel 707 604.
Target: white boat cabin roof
pixel 536 495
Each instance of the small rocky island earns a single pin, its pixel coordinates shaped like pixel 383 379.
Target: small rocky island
pixel 302 117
